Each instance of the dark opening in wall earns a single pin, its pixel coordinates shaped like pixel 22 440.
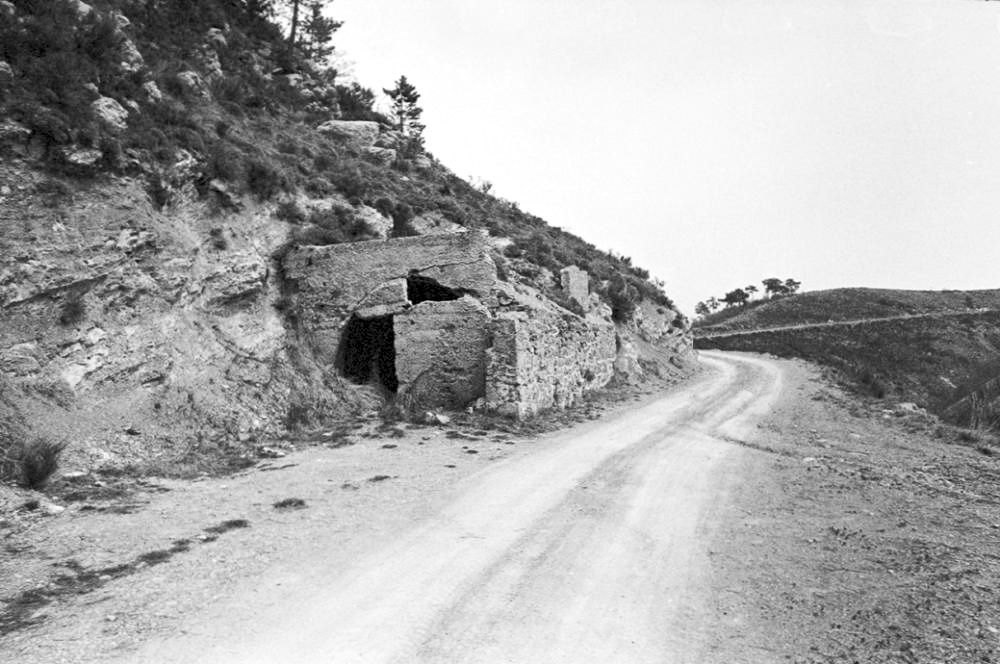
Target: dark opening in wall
pixel 367 352
pixel 422 289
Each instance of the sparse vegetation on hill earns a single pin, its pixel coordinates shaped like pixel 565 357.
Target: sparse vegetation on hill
pixel 742 297
pixel 159 161
pixel 209 94
pixel 944 355
pixel 843 304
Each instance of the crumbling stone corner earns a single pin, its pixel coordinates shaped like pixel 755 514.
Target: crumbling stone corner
pixel 546 359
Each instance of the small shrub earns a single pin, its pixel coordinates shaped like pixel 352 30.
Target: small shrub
pixel 326 160
pixel 874 385
pixel 290 504
pixel 159 192
pixel 350 183
pixel 968 436
pixel 624 298
pixel 384 206
pixel 33 463
pixel 73 309
pixel 334 226
pixel 226 526
pixel 264 180
pixel 189 139
pixel 320 187
pixel 56 190
pixel 402 216
pixel 225 162
pixel 288 146
pixel 219 241
pixel 290 211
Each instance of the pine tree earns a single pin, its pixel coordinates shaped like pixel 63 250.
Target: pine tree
pixel 318 32
pixel 404 108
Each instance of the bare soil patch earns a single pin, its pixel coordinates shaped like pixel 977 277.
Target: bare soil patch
pixel 866 536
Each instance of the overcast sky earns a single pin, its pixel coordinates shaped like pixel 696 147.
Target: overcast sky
pixel 839 142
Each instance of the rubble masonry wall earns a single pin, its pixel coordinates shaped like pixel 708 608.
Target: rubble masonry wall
pixel 542 359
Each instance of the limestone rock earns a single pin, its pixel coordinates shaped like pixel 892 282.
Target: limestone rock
pixel 433 223
pixel 431 417
pixel 358 133
pixel 21 359
pixel 381 156
pixel 13 134
pixel 208 58
pixel 83 10
pixel 627 360
pixel 110 114
pixel 50 508
pixel 152 92
pixel 909 408
pixel 83 160
pixel 216 38
pixel 192 83
pixel 375 219
pixel 225 197
pixel 130 240
pixel 132 60
pixel 239 279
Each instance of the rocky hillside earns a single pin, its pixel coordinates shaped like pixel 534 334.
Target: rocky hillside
pixel 939 349
pixel 164 164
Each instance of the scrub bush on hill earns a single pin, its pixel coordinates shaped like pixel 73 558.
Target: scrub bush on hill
pixel 254 131
pixel 55 56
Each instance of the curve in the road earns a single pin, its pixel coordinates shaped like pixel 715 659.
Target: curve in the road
pixel 589 550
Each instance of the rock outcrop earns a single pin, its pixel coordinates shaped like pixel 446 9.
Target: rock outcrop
pixel 359 134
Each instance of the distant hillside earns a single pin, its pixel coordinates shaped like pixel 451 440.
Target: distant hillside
pixel 945 356
pixel 843 304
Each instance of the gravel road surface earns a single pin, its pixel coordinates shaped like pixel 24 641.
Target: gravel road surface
pixel 590 549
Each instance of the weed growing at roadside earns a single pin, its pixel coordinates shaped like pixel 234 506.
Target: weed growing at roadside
pixel 30 464
pixel 290 504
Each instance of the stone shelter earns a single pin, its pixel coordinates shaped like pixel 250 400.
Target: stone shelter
pixel 428 317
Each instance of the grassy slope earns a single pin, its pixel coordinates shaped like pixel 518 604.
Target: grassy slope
pixel 934 361
pixel 846 304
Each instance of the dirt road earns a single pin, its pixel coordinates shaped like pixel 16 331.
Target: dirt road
pixel 589 549
pixel 755 514
pixel 708 333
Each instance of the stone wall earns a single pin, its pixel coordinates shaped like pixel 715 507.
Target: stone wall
pixel 543 358
pixel 331 283
pixel 441 352
pixel 460 335
pixel 575 284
